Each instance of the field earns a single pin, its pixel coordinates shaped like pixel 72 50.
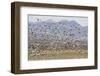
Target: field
pixel 69 54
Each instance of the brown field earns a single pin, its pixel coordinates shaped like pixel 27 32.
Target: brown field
pixel 69 54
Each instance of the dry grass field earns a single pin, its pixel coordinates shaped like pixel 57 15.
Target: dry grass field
pixel 67 54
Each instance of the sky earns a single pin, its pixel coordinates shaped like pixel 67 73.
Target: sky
pixel 83 21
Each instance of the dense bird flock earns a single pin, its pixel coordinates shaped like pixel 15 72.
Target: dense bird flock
pixel 52 36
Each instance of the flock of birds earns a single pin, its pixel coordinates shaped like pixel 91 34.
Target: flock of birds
pixel 51 34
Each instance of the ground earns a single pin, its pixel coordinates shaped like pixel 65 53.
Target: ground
pixel 66 54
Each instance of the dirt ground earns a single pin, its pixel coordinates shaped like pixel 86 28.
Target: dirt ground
pixel 67 54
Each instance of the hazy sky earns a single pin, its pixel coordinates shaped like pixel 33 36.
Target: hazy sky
pixel 81 20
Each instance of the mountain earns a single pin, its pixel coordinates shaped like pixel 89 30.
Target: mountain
pixel 62 30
